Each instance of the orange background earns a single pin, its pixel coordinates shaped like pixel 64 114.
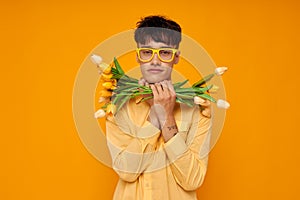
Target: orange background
pixel 43 44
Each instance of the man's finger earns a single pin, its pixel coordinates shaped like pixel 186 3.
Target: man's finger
pixel 146 84
pixel 142 82
pixel 170 86
pixel 158 87
pixel 154 90
pixel 165 87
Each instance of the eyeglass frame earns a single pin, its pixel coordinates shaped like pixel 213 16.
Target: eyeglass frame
pixel 154 50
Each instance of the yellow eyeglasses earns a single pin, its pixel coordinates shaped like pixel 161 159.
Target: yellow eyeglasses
pixel 164 54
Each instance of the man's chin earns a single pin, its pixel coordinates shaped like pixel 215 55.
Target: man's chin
pixel 154 80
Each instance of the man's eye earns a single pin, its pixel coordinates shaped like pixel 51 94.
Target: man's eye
pixel 147 52
pixel 165 52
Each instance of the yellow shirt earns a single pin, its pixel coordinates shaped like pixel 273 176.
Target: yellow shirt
pixel 149 168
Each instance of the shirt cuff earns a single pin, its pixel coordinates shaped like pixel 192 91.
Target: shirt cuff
pixel 175 147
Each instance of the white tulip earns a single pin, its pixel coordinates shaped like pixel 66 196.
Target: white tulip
pixel 198 100
pixel 99 113
pixel 96 59
pixel 220 70
pixel 223 104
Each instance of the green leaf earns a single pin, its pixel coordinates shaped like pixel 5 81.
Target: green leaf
pixel 105 106
pixel 143 92
pixel 207 96
pixel 202 89
pixel 179 84
pixel 203 81
pixel 130 79
pixel 116 76
pixel 118 67
pixel 124 89
pixel 185 101
pixel 146 98
pixel 182 90
pixel 116 98
pixel 127 93
pixel 185 96
pixel 127 81
pixel 114 71
pixel 123 101
pixel 130 84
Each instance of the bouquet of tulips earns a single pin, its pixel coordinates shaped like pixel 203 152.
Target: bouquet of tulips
pixel 116 88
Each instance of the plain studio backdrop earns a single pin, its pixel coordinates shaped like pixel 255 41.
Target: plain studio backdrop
pixel 43 44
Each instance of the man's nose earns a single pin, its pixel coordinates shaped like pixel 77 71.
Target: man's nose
pixel 155 60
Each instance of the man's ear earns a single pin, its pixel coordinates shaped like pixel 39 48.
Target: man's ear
pixel 176 57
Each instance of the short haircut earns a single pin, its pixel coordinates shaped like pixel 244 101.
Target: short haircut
pixel 158 28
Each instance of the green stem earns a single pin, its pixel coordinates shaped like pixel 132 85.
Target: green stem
pixel 184 96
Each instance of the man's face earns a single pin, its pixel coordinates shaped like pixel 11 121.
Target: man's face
pixel 156 70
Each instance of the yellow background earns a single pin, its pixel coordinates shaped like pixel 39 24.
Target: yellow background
pixel 43 44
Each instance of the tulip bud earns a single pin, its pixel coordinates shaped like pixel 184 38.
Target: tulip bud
pixel 114 82
pixel 198 100
pixel 96 59
pixel 106 77
pixel 223 104
pixel 102 99
pixel 107 85
pixel 100 113
pixel 220 70
pixel 111 109
pixel 105 93
pixel 214 89
pixel 106 68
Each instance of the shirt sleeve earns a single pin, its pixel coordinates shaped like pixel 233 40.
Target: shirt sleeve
pixel 132 148
pixel 187 164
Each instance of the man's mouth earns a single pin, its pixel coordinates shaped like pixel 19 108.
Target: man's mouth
pixel 154 70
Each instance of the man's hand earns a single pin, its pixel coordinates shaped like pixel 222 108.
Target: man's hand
pixel 164 99
pixel 162 107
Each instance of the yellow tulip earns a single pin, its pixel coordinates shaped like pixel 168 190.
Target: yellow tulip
pixel 111 109
pixel 107 85
pixel 106 77
pixel 105 93
pixel 114 82
pixel 107 70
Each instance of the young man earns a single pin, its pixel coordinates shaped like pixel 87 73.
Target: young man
pixel 158 147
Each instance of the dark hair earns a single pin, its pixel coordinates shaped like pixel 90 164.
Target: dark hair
pixel 158 28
